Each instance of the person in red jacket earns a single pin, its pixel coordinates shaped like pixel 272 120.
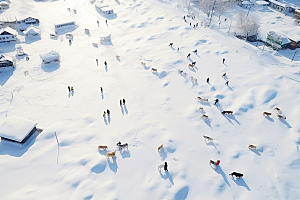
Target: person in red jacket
pixel 215 163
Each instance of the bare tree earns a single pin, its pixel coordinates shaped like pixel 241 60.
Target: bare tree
pixel 206 6
pixel 247 26
pixel 223 5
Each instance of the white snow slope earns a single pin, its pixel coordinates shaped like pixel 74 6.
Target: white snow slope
pixel 160 108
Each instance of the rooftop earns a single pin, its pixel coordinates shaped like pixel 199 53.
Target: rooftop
pixel 16 128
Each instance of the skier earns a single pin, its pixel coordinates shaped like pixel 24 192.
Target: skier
pixel 108 112
pixel 97 60
pixel 101 89
pixel 166 166
pixel 196 24
pixel 70 41
pixel 223 75
pixel 195 52
pixel 72 89
pixel 227 83
pixel 98 22
pixel 69 88
pixel 216 101
pixel 184 18
pixel 171 44
pixel 190 24
pixel 121 102
pixel 104 114
pixel 124 101
pixel 105 63
pixel 223 60
pixel 178 49
pixel 207 80
pixel 188 56
pixel 27 58
pixel 106 22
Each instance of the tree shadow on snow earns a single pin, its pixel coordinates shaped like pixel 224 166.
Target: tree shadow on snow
pixel 241 182
pixel 113 165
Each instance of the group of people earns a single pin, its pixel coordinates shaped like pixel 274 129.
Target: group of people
pixel 122 101
pixel 70 88
pixel 108 113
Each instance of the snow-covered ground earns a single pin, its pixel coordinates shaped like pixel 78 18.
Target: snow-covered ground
pixel 161 107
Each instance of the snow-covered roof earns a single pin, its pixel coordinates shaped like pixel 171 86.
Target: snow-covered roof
pixel 16 128
pixel 247 3
pixel 32 30
pixel 100 4
pixel 278 3
pixel 3 58
pixel 48 57
pixel 9 30
pixel 3 3
pixel 262 2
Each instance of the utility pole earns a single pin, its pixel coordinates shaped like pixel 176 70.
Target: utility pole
pixel 294 56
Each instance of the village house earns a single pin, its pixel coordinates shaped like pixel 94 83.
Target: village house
pixel 4 62
pixel 32 31
pixel 17 129
pixel 7 34
pixel 28 20
pixel 282 41
pixel 103 9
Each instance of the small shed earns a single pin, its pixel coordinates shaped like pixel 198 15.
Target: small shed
pixel 64 25
pixel 278 5
pixel 17 129
pixel 50 57
pixel 32 31
pixel 261 4
pixel 103 8
pixel 4 62
pixel 297 14
pixel 246 4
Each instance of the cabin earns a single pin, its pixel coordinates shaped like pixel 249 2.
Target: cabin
pixel 281 7
pixel 50 57
pixel 261 4
pixel 4 62
pixel 17 129
pixel 32 31
pixel 7 35
pixel 297 14
pixel 103 8
pixel 28 20
pixel 64 25
pixel 4 5
pixel 281 41
pixel 246 4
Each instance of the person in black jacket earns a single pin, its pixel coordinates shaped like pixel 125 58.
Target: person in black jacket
pixel 166 166
pixel 124 101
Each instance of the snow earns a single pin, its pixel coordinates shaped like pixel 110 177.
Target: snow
pixel 161 107
pixel 16 128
